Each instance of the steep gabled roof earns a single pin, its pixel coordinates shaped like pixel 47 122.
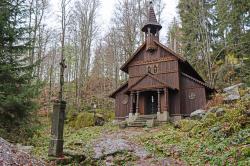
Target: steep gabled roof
pixel 153 78
pixel 197 81
pixel 118 89
pixel 169 50
pixel 125 65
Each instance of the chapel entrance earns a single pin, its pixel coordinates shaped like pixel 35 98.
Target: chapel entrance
pixel 150 103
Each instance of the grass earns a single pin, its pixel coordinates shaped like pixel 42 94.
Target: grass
pixel 213 140
pixel 78 140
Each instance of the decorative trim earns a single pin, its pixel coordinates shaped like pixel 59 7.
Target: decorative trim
pixel 159 73
pixel 150 75
pixel 163 59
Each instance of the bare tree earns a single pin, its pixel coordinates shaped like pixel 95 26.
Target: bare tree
pixel 64 19
pixel 86 14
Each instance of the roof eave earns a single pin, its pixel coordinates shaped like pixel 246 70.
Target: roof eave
pixel 112 95
pixel 124 67
pixel 151 24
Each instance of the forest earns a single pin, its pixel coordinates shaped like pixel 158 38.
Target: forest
pixel 212 35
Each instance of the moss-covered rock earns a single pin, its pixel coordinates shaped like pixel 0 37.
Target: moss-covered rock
pixel 84 119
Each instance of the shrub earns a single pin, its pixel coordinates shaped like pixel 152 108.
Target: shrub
pixel 209 119
pixel 216 101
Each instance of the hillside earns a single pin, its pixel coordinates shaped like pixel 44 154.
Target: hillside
pixel 220 137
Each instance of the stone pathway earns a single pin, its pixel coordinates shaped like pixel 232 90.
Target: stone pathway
pixel 111 144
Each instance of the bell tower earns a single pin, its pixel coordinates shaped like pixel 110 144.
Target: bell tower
pixel 151 29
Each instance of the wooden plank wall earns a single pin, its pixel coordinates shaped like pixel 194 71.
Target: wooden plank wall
pixel 193 95
pixel 167 71
pixel 174 102
pixel 122 109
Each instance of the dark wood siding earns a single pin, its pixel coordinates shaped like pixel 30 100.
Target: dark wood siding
pixel 147 83
pixel 167 72
pixel 193 95
pixel 121 107
pixel 174 102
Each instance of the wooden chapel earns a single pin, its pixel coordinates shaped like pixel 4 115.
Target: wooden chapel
pixel 161 82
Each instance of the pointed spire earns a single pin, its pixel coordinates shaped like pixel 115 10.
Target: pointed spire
pixel 151 13
pixel 151 21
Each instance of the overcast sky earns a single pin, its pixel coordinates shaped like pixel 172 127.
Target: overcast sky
pixel 106 11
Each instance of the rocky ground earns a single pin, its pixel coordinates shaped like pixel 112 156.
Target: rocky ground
pixel 120 148
pixel 10 155
pixel 112 148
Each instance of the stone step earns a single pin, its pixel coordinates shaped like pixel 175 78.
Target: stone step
pixel 136 125
pixel 147 115
pixel 141 120
pixel 138 122
pixel 146 118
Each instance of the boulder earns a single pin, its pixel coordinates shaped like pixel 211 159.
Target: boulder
pixel 198 114
pixel 123 125
pixel 232 92
pixel 99 120
pixel 212 109
pixel 220 112
pixel 246 96
pixel 76 156
pixel 27 149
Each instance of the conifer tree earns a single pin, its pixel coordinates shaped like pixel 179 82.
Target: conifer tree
pixel 16 85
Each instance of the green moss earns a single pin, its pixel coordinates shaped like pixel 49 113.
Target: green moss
pixel 84 119
pixel 108 115
pixel 187 125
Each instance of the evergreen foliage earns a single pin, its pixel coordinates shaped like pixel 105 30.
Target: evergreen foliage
pixel 215 39
pixel 16 87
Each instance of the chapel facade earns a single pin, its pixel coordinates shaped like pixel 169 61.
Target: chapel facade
pixel 160 82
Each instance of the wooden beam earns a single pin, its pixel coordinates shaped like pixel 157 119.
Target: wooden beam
pixel 166 105
pixel 137 101
pixel 131 101
pixel 159 100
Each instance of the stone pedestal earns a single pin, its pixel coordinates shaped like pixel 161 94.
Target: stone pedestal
pixel 163 117
pixel 57 125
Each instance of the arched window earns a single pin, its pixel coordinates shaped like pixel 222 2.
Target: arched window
pixel 155 69
pixel 149 69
